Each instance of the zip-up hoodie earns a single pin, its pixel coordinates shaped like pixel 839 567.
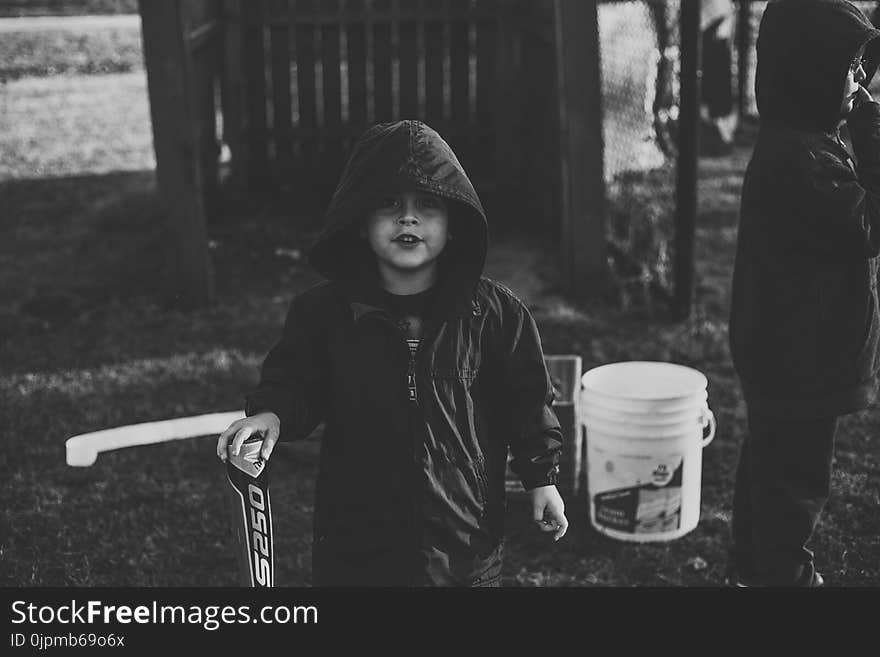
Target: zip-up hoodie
pixel 804 316
pixel 410 492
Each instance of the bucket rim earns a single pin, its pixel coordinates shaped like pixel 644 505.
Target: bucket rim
pixel 680 430
pixel 646 418
pixel 665 405
pixel 699 385
pixel 590 399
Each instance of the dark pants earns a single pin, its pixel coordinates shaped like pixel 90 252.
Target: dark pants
pixel 717 80
pixel 390 568
pixel 782 483
pixel 370 568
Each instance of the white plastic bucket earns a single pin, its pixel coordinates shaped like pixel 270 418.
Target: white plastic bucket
pixel 623 418
pixel 645 380
pixel 650 406
pixel 646 426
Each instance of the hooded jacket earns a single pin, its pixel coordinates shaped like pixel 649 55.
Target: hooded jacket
pixel 410 493
pixel 804 314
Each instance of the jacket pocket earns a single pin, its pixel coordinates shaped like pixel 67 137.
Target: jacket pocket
pixel 456 495
pixel 479 469
pixel 848 310
pixel 474 476
pixel 450 377
pixel 868 345
pixel 487 570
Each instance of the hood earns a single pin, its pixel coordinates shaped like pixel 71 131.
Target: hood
pixel 398 156
pixel 804 49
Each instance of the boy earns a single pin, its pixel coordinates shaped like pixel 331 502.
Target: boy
pixel 717 111
pixel 804 323
pixel 424 372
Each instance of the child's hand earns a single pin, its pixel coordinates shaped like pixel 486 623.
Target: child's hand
pixel 267 424
pixel 862 96
pixel 548 510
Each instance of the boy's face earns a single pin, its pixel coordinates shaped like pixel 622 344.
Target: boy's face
pixel 855 75
pixel 408 231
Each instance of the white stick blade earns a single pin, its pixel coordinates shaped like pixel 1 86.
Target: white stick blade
pixel 78 454
pixel 83 450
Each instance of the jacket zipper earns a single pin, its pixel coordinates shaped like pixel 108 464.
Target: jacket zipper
pixel 414 402
pixel 412 388
pixel 412 395
pixel 411 376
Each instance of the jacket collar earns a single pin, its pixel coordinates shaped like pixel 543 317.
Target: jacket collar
pixel 460 307
pixel 359 309
pixel 833 136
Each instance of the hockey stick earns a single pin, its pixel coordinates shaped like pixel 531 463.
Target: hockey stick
pixel 83 450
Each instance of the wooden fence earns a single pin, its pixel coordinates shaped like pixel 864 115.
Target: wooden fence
pixel 183 43
pixel 306 77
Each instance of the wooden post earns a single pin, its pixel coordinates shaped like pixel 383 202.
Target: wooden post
pixel 743 51
pixel 500 110
pixel 282 117
pixel 581 145
pixel 187 279
pixel 233 90
pixel 688 149
pixel 565 373
pixel 255 123
pixel 536 196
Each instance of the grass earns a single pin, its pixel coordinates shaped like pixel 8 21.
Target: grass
pixel 60 49
pixel 85 343
pixel 42 115
pixel 15 8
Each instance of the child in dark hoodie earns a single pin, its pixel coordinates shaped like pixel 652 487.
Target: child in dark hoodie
pixel 425 373
pixel 804 323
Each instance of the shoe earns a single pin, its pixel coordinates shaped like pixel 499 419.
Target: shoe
pixel 809 579
pixel 733 579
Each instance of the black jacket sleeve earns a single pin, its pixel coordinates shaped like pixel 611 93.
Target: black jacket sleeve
pixel 525 397
pixel 294 379
pixel 864 129
pixel 842 206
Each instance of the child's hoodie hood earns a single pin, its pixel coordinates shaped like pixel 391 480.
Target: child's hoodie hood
pixel 389 157
pixel 804 50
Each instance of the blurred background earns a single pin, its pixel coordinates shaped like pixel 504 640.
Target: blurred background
pixel 164 168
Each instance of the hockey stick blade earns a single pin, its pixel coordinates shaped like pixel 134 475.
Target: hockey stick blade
pixel 82 450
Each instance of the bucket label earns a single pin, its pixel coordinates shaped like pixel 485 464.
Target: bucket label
pixel 651 503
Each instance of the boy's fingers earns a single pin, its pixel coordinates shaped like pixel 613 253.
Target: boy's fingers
pixel 269 444
pixel 543 520
pixel 223 439
pixel 563 527
pixel 538 513
pixel 243 434
pixel 552 520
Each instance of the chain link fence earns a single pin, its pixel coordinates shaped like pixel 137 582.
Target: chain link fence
pixel 639 51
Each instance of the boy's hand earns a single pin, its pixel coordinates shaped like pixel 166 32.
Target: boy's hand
pixel 267 424
pixel 862 96
pixel 548 510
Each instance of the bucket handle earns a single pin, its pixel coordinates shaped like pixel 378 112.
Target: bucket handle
pixel 709 421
